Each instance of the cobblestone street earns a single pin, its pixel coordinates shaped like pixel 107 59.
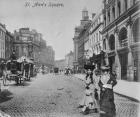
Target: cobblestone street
pixel 54 96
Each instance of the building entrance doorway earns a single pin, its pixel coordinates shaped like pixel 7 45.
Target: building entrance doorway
pixel 111 63
pixel 124 62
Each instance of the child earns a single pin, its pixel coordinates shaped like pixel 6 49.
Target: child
pixel 88 100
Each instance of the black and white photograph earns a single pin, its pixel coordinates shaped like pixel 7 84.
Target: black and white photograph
pixel 69 58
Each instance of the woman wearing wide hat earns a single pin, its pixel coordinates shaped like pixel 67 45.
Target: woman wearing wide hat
pixel 89 102
pixel 106 83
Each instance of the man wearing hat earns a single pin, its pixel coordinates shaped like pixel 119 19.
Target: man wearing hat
pixel 106 84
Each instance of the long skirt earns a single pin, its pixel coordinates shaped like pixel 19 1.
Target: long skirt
pixel 107 101
pixel 89 102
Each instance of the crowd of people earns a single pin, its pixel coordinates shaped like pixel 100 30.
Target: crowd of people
pixel 99 96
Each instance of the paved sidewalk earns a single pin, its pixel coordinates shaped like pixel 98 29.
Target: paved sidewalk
pixel 125 88
pixel 3 88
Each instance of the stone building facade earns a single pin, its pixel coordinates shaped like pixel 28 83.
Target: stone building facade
pixel 2 41
pixel 79 38
pixel 27 43
pixel 9 39
pixel 121 37
pixel 95 42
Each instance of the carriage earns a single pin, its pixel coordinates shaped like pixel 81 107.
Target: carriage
pixel 14 71
pixel 18 70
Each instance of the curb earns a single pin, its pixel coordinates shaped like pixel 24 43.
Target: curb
pixel 130 98
pixel 122 95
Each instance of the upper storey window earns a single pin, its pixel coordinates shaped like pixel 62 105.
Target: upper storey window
pixel 108 16
pixel 125 4
pixel 113 11
pixel 119 8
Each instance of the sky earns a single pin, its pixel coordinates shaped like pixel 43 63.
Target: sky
pixel 55 23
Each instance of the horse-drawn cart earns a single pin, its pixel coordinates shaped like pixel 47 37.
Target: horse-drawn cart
pixel 14 71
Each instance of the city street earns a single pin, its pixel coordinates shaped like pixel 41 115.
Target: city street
pixel 54 96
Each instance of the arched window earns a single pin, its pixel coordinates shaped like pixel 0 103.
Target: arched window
pixel 112 42
pixel 136 30
pixel 134 1
pixel 119 8
pixel 123 37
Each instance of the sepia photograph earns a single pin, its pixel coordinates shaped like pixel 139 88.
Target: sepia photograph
pixel 69 58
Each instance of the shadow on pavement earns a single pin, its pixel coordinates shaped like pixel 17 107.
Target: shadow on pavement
pixel 5 95
pixel 22 84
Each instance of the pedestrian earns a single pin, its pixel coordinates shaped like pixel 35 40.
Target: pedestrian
pixel 96 87
pixel 106 83
pixel 89 102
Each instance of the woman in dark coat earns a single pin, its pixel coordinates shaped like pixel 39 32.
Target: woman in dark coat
pixel 106 84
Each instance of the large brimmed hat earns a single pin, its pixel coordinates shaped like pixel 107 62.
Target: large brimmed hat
pixel 91 67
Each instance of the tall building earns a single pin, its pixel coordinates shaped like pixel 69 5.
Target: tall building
pixel 2 41
pixel 121 37
pixel 27 43
pixel 50 56
pixel 80 34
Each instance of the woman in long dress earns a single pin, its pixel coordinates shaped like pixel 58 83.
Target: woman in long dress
pixel 89 102
pixel 106 83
